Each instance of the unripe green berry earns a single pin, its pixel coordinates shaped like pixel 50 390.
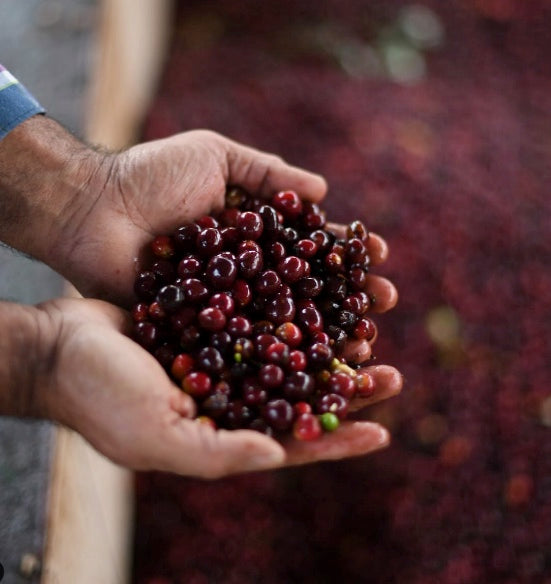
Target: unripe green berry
pixel 329 421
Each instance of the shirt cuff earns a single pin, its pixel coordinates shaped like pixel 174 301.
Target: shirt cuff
pixel 16 103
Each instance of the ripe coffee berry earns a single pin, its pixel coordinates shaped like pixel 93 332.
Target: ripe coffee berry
pixel 249 312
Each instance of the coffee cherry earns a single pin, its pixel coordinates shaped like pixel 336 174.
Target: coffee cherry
pixel 250 225
pixel 190 337
pixel 241 292
pixel 270 221
pixel 189 266
pixel 334 404
pixel 342 384
pixel 365 385
pixel 235 197
pixel 357 303
pixel 305 248
pixel 271 375
pixel 184 317
pixel 298 386
pixel 297 361
pixel 146 334
pixel 194 290
pixel 307 427
pixel 346 320
pixel 197 384
pixel 280 309
pixel 309 287
pixel 309 319
pixel 209 242
pixel 313 217
pixel 221 341
pixel 170 298
pixel 163 246
pixel 278 414
pixel 224 302
pixel 302 408
pixel 221 272
pixel 320 337
pixel 277 353
pixel 291 269
pixel 319 356
pixel 358 230
pixel 262 327
pixel 206 221
pixel 146 285
pixel 238 415
pixel 140 311
pixel 215 405
pixel 364 329
pixel 289 236
pixel 250 263
pixel 358 278
pixel 182 365
pixel 253 392
pixel 210 360
pixel 185 237
pixel 239 326
pixel 288 204
pixel 329 421
pixel 275 252
pixel 289 333
pixel 268 283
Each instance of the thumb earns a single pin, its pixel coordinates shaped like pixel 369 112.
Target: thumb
pixel 265 174
pixel 199 450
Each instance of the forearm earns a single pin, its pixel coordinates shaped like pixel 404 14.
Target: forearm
pixel 44 174
pixel 25 357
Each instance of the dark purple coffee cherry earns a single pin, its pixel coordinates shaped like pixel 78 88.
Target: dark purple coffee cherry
pixel 278 414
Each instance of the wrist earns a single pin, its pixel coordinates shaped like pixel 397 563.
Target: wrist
pixel 48 179
pixel 27 349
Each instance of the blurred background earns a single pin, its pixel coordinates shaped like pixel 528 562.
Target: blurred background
pixel 432 123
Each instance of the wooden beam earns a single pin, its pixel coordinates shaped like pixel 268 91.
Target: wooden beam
pixel 133 37
pixel 89 524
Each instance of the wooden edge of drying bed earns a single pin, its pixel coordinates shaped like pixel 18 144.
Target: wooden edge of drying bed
pixel 89 522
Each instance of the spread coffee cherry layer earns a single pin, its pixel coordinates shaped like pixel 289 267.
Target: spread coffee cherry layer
pixel 249 312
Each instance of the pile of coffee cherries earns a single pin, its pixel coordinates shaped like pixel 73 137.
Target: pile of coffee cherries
pixel 249 312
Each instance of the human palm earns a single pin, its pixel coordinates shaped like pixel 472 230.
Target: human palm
pixel 119 398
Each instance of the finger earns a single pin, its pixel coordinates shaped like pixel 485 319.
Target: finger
pixel 377 247
pixel 265 174
pixel 199 450
pixel 383 294
pixel 388 382
pixel 182 404
pixel 350 439
pixel 357 351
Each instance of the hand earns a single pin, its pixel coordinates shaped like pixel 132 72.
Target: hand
pixel 151 189
pixel 120 399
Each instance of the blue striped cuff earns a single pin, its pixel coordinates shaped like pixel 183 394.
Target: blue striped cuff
pixel 16 103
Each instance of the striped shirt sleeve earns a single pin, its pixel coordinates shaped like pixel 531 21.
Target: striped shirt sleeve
pixel 16 103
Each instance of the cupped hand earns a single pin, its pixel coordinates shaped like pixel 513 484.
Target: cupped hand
pixel 106 387
pixel 153 188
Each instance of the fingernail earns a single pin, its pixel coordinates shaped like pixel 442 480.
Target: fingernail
pixel 384 437
pixel 265 461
